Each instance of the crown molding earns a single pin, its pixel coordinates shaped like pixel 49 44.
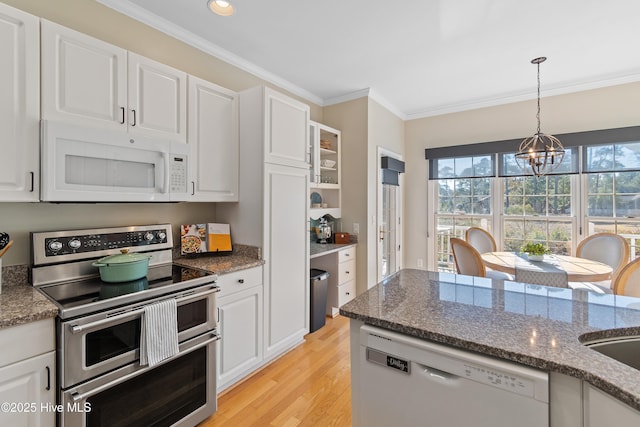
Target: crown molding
pixel 144 16
pixel 371 94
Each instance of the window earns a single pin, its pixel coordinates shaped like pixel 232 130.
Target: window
pixel 613 191
pixel 595 189
pixel 464 200
pixel 537 209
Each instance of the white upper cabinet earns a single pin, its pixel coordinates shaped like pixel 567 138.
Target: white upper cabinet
pixel 84 80
pixel 286 130
pixel 325 177
pixel 157 99
pixel 91 82
pixel 214 141
pixel 19 106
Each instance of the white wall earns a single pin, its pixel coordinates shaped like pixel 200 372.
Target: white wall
pixel 612 107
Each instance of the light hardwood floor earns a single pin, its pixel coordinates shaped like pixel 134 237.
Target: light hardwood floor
pixel 308 386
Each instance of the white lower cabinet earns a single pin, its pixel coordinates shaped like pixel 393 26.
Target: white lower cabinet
pixel 341 286
pixel 27 375
pixel 240 324
pixel 602 409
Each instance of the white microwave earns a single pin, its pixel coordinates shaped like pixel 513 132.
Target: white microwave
pixel 83 164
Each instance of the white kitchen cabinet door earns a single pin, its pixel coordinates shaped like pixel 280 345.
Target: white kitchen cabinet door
pixel 157 99
pixel 286 130
pixel 90 82
pixel 84 80
pixel 27 387
pixel 602 409
pixel 213 137
pixel 19 105
pixel 240 325
pixel 286 254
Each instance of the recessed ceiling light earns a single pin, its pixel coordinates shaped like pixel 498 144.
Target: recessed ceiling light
pixel 220 7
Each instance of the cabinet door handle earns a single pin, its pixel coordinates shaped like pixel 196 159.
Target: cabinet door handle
pixel 134 117
pixel 123 111
pixel 48 387
pixel 347 271
pixel 33 180
pixel 193 188
pixel 240 280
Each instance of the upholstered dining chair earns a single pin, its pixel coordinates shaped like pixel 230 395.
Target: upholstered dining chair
pixel 608 248
pixel 627 282
pixel 557 279
pixel 480 239
pixel 469 262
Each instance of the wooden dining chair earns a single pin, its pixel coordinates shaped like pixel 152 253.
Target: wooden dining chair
pixel 608 248
pixel 628 281
pixel 469 262
pixel 480 239
pixel 467 258
pixel 556 279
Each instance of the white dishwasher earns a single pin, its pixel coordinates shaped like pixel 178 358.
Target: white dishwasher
pixel 405 381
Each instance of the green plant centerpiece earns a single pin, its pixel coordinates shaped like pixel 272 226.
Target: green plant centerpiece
pixel 535 251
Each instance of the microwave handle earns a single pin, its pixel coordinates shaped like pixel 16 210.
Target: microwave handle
pixel 167 174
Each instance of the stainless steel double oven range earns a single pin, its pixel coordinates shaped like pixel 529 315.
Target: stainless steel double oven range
pixel 100 380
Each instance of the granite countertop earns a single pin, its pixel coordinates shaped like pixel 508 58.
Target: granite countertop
pixel 319 249
pixel 538 326
pixel 20 302
pixel 220 264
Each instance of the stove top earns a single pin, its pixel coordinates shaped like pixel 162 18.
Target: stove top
pixel 62 267
pixel 90 295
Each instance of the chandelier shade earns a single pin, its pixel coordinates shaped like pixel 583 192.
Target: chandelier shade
pixel 542 153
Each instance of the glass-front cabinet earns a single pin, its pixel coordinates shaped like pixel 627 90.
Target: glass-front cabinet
pixel 325 177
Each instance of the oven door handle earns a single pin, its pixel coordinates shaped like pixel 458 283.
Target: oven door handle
pixel 139 309
pixel 76 329
pixel 188 347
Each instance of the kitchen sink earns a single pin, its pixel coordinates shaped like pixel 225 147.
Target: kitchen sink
pixel 625 350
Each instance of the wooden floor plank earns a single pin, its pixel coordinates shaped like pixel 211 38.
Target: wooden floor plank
pixel 308 386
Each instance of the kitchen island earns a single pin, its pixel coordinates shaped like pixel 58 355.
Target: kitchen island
pixel 534 326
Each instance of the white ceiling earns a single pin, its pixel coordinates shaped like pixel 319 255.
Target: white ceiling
pixel 417 57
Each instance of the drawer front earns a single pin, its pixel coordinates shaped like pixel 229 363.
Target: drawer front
pixel 346 271
pixel 347 254
pixel 237 281
pixel 346 292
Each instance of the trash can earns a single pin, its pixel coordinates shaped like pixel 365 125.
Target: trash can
pixel 318 282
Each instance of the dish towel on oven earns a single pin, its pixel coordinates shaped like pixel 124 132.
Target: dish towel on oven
pixel 159 334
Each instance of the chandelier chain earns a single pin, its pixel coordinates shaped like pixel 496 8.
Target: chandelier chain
pixel 538 114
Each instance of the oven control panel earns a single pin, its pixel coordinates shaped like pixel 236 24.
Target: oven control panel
pixel 77 244
pixel 95 242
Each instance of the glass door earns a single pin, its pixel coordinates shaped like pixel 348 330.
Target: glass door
pixel 388 231
pixel 388 224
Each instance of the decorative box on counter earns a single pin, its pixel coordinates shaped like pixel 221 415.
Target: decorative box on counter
pixel 202 238
pixel 341 238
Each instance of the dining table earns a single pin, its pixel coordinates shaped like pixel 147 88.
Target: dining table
pixel 577 269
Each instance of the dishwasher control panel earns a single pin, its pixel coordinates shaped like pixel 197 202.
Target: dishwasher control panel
pixel 500 379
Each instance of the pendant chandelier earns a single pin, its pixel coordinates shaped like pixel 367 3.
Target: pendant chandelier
pixel 541 152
